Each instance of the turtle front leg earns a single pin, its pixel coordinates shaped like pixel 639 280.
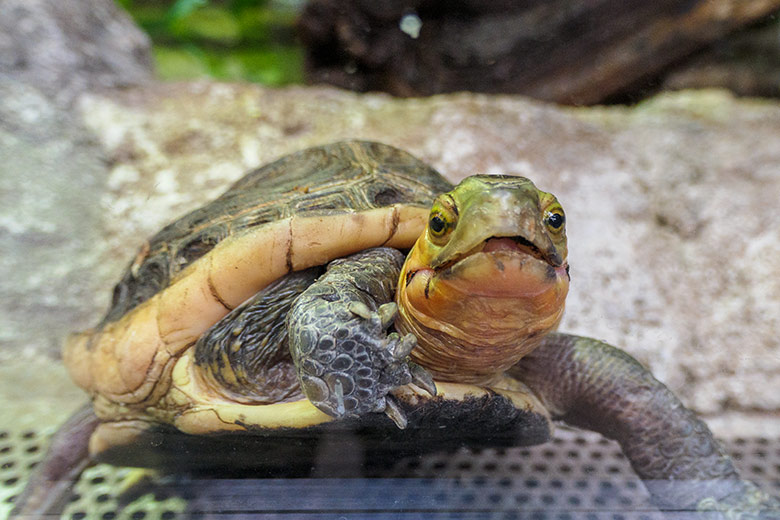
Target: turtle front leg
pixel 589 384
pixel 347 362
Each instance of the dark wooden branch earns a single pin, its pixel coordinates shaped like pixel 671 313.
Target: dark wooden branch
pixel 577 52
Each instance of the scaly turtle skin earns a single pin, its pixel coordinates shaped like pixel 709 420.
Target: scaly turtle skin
pixel 289 307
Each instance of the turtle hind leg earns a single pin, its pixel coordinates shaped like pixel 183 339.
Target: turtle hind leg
pixel 590 384
pixel 245 353
pixel 48 488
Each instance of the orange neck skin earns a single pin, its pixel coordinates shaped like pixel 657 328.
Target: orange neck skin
pixel 478 317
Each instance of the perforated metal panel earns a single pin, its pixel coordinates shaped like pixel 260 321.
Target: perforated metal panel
pixel 577 476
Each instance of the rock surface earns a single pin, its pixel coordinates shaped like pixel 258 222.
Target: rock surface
pixel 64 47
pixel 673 235
pixel 51 176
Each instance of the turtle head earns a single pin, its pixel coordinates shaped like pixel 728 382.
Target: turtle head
pixel 486 280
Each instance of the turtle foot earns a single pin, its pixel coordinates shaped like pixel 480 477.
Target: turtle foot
pixel 347 361
pixel 352 371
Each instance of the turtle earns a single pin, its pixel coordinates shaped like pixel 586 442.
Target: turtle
pixel 351 290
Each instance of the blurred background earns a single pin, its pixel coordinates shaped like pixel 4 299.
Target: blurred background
pixel 575 52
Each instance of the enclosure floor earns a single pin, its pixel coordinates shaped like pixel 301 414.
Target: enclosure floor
pixel 579 475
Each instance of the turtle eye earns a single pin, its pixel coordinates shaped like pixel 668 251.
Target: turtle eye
pixel 437 225
pixel 442 220
pixel 555 219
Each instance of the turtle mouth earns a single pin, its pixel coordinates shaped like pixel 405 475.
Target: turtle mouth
pixel 515 243
pixel 502 245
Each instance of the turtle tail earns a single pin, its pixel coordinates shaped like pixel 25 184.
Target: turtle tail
pixel 589 384
pixel 48 489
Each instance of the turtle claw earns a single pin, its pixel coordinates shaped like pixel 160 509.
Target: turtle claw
pixel 360 309
pixel 402 346
pixel 387 313
pixel 422 378
pixel 394 412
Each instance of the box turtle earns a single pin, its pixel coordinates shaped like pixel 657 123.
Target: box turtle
pixel 351 288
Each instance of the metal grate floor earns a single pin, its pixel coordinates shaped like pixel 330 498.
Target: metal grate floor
pixel 579 475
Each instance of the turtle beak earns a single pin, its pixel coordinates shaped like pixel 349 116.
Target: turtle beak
pixel 546 252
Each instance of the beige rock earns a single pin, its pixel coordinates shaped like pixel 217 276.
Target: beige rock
pixel 50 176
